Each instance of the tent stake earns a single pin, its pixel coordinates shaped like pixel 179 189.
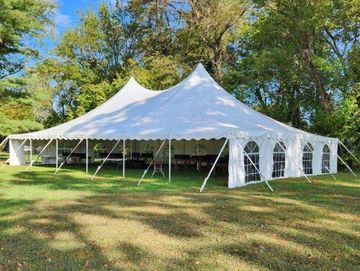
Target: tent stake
pixel 37 158
pixel 156 154
pixel 103 162
pixel 213 166
pixel 342 144
pixel 18 148
pixel 56 171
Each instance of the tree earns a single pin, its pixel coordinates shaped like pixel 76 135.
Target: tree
pixel 20 22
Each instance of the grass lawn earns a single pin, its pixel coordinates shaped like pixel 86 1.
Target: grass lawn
pixel 67 222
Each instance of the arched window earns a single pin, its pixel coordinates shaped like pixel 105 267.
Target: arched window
pixel 325 161
pixel 307 158
pixel 251 173
pixel 279 160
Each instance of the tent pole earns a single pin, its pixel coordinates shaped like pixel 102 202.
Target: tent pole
pixel 156 154
pixel 349 168
pixel 3 143
pixel 213 166
pixel 330 173
pixel 37 158
pixel 169 160
pixel 87 155
pixel 123 159
pixel 30 156
pixel 57 153
pixel 302 172
pixel 18 148
pixel 56 171
pixel 342 144
pixel 103 162
pixel 261 175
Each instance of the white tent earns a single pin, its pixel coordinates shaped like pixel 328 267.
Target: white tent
pixel 198 108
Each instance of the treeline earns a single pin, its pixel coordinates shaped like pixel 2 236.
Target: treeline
pixel 296 61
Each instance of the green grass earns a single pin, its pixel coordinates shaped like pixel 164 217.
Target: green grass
pixel 67 222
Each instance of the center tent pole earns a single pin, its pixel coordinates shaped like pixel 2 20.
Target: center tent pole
pixel 123 158
pixel 213 166
pixel 103 162
pixel 261 175
pixel 37 158
pixel 169 160
pixel 56 171
pixel 156 154
pixel 18 148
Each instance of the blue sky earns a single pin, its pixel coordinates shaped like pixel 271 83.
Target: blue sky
pixel 67 15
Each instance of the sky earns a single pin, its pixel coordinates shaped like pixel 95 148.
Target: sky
pixel 67 15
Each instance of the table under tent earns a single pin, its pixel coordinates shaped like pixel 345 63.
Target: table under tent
pixel 195 124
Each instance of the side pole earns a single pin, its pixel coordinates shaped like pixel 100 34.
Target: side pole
pixel 213 166
pixel 87 155
pixel 123 158
pixel 302 172
pixel 103 162
pixel 37 158
pixel 311 166
pixel 342 144
pixel 156 154
pixel 169 160
pixel 18 148
pixel 349 168
pixel 261 175
pixel 30 156
pixel 57 153
pixel 56 171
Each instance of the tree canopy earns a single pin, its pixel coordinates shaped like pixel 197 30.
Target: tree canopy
pixel 296 61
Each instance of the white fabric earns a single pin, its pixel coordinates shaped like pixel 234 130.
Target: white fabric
pixel 196 108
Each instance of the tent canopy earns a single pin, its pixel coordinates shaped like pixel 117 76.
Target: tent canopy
pixel 197 108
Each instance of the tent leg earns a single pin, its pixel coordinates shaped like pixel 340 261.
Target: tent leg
pixel 103 162
pixel 56 171
pixel 342 144
pixel 87 156
pixel 169 160
pixel 34 161
pixel 56 153
pixel 18 148
pixel 156 154
pixel 123 159
pixel 30 156
pixel 261 175
pixel 213 166
pixel 348 167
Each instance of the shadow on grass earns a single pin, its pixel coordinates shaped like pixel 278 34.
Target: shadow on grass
pixel 299 227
